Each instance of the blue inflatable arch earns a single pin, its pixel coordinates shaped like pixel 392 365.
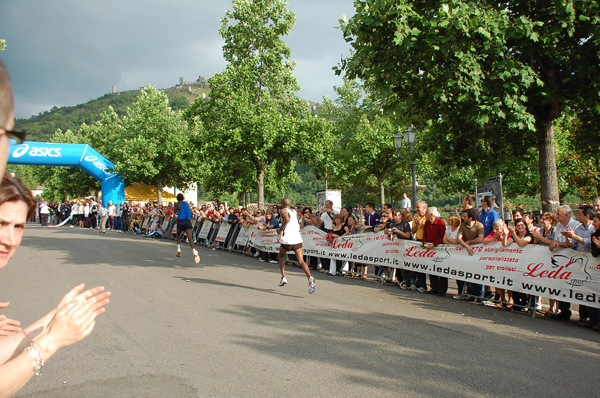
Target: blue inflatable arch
pixel 78 155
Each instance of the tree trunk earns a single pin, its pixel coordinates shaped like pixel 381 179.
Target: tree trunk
pixel 159 189
pixel 548 174
pixel 240 198
pixel 382 191
pixel 260 173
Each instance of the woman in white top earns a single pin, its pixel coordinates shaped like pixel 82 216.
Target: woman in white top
pixel 80 216
pixel 44 213
pixel 452 226
pixel 451 235
pixel 86 215
pixel 75 214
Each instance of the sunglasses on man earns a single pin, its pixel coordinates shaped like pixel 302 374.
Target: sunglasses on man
pixel 17 136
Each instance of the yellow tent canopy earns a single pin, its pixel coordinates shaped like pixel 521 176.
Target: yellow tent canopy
pixel 141 192
pixel 166 196
pixel 138 194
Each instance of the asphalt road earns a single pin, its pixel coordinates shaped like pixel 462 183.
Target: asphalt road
pixel 225 329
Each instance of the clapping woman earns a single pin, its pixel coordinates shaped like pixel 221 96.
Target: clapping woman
pixel 24 353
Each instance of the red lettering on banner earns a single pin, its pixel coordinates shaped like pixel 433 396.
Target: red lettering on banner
pixel 346 245
pixel 536 272
pixel 414 251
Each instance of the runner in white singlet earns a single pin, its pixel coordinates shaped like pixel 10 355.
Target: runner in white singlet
pixel 291 240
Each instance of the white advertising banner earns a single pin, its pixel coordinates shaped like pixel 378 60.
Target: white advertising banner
pixel 205 229
pixel 266 240
pixel 223 231
pixel 244 236
pixel 564 274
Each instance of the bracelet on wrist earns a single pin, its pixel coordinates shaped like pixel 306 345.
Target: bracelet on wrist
pixel 35 354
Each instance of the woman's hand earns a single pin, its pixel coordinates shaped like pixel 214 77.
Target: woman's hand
pixel 536 234
pixel 75 319
pixel 8 326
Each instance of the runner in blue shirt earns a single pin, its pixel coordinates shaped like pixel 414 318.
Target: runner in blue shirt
pixel 183 216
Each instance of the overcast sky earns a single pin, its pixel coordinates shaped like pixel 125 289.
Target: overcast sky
pixel 67 52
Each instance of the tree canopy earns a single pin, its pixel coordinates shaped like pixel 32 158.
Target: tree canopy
pixel 253 124
pixel 151 143
pixel 363 159
pixel 486 79
pixel 62 182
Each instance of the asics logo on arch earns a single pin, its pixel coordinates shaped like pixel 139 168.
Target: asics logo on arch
pixel 99 164
pixel 36 151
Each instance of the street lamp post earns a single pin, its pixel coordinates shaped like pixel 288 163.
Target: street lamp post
pixel 408 137
pixel 413 164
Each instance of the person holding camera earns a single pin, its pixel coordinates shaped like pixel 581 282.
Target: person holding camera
pixel 325 216
pixel 158 233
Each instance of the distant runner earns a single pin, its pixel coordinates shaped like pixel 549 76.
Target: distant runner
pixel 291 240
pixel 184 223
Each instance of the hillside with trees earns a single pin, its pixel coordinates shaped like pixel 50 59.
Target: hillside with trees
pixel 41 127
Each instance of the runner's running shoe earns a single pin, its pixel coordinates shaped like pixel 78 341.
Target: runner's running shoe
pixel 283 282
pixel 311 285
pixel 196 257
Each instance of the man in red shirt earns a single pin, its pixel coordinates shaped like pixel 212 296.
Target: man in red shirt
pixel 433 235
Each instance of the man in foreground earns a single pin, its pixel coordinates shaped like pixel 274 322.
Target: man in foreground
pixel 291 240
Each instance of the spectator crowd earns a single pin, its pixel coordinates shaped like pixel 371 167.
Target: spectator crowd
pixel 470 226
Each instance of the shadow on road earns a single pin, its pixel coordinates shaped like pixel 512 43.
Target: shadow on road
pixel 279 292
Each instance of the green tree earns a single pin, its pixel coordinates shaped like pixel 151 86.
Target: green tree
pixel 29 175
pixel 578 157
pixel 61 182
pixel 150 144
pixel 253 123
pixel 364 151
pixel 489 79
